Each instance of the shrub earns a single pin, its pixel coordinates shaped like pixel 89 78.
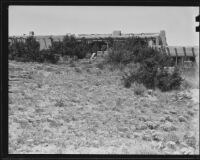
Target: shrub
pixel 72 47
pixel 48 56
pixel 148 65
pixel 100 66
pixel 78 70
pixel 29 51
pixel 59 103
pixel 166 81
pixel 24 50
pixel 139 89
pixel 72 64
pixel 56 47
pixel 125 52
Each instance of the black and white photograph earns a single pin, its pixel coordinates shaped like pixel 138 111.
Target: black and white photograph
pixel 103 80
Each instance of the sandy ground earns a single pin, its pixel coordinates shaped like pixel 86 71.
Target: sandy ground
pixel 78 108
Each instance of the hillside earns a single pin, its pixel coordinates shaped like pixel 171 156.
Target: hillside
pixel 78 108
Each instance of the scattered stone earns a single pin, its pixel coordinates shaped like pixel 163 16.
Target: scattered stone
pixel 122 129
pixel 168 118
pixel 190 113
pixel 167 150
pixel 168 127
pixel 187 151
pixel 136 135
pixel 172 136
pixel 181 119
pixel 150 92
pixel 190 140
pixel 146 137
pixel 160 145
pixel 143 118
pixel 177 152
pixel 151 125
pixel 162 119
pixel 141 127
pixel 173 112
pixel 157 137
pixel 171 145
pixel 183 145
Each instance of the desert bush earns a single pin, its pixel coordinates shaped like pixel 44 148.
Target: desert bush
pixel 24 50
pixel 48 56
pixel 166 81
pixel 150 65
pixel 59 103
pixel 78 70
pixel 100 65
pixel 125 52
pixel 172 136
pixel 29 51
pixel 72 64
pixel 56 47
pixel 72 47
pixel 150 71
pixel 139 89
pixel 190 140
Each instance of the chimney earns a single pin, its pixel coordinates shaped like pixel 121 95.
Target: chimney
pixel 31 33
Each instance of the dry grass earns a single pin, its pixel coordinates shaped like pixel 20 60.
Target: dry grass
pixel 91 112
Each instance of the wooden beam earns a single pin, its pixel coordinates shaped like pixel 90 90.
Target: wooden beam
pixel 168 51
pixel 185 55
pixel 176 56
pixel 193 52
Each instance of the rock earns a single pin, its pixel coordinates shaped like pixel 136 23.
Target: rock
pixel 168 118
pixel 183 145
pixel 157 137
pixel 136 135
pixel 150 92
pixel 187 151
pixel 141 127
pixel 30 140
pixel 160 145
pixel 190 113
pixel 171 145
pixel 167 151
pixel 146 137
pixel 173 112
pixel 190 140
pixel 162 119
pixel 181 119
pixel 151 125
pixel 143 118
pixel 168 127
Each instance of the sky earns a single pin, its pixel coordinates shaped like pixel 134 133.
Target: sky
pixel 178 22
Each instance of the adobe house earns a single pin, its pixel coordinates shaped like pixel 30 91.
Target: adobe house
pixel 152 38
pixel 181 55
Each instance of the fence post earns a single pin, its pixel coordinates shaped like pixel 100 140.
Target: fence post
pixel 193 52
pixel 168 51
pixel 45 43
pixel 157 41
pixel 184 50
pixel 176 56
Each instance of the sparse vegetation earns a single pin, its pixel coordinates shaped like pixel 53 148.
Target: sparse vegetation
pixel 148 65
pixel 96 105
pixel 139 89
pixel 59 103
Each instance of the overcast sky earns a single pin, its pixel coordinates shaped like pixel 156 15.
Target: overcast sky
pixel 178 22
